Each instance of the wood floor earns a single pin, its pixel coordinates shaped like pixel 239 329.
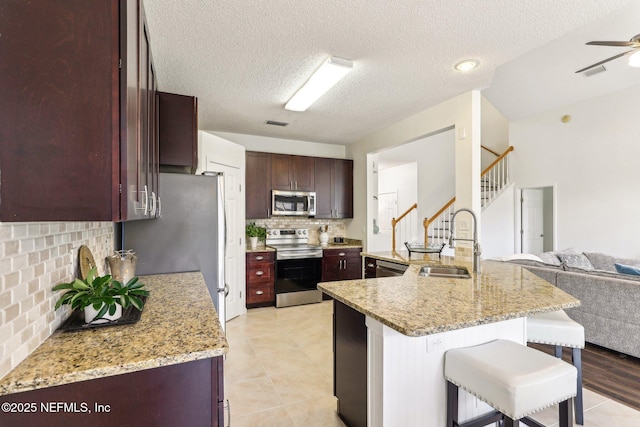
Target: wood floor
pixel 609 373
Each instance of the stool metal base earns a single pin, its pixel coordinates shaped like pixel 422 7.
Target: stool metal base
pixel 497 416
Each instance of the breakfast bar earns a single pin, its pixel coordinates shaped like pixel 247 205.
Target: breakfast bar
pixel 391 334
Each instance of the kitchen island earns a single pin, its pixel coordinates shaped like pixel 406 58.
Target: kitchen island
pixel 166 369
pixel 391 333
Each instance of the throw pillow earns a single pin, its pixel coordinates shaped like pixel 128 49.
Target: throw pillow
pixel 550 258
pixel 577 261
pixel 601 261
pixel 627 269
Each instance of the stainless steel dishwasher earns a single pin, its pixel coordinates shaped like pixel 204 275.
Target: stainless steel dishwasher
pixel 389 269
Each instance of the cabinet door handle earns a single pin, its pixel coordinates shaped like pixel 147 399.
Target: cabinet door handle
pixel 259 258
pixel 145 203
pixel 159 207
pixel 152 211
pixel 341 253
pixel 345 264
pixel 259 292
pixel 370 265
pixel 259 273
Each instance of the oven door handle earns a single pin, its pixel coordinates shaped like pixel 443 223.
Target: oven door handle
pixel 301 255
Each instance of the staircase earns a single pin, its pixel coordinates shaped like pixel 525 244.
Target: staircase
pixel 493 180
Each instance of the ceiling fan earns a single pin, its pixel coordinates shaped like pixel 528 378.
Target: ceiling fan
pixel 634 44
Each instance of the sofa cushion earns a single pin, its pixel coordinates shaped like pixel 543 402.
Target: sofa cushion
pixel 603 273
pixel 601 261
pixel 627 269
pixel 577 261
pixel 550 258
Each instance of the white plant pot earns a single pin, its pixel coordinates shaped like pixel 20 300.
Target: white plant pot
pixel 90 313
pixel 254 242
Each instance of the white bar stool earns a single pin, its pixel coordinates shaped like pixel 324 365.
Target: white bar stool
pixel 558 329
pixel 515 379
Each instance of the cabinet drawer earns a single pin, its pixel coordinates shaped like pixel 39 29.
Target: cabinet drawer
pixel 260 274
pixel 259 293
pixel 254 258
pixel 342 253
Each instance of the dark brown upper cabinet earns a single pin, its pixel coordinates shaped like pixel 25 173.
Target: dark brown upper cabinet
pixel 257 183
pixel 178 127
pixel 292 172
pixel 334 188
pixel 78 129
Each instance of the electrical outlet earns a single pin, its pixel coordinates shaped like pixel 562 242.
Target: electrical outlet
pixel 435 343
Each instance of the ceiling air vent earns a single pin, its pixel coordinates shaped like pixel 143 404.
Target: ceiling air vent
pixel 595 70
pixel 275 123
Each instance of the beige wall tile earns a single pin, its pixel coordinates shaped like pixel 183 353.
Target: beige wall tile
pixel 35 257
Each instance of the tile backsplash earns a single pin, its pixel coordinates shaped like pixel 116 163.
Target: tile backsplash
pixel 33 258
pixel 337 227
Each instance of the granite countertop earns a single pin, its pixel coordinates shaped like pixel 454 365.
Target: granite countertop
pixel 416 306
pixel 402 257
pixel 348 244
pixel 178 324
pixel 260 248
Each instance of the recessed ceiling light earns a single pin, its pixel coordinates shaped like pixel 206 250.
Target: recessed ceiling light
pixel 634 59
pixel 467 65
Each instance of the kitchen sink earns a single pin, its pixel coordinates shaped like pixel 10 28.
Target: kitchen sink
pixel 452 272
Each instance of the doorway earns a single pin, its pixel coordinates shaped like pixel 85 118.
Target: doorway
pixel 233 268
pixel 537 220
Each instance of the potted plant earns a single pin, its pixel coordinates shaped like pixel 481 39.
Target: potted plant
pixel 101 297
pixel 256 233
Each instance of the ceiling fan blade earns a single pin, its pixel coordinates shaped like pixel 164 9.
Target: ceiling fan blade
pixel 617 44
pixel 606 60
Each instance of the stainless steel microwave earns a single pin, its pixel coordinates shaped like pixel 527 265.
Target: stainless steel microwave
pixel 293 203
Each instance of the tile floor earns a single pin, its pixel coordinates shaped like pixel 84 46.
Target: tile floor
pixel 279 373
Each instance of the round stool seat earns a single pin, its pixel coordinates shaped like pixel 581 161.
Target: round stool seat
pixel 555 328
pixel 514 379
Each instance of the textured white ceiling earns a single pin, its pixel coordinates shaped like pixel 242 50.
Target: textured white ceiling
pixel 244 59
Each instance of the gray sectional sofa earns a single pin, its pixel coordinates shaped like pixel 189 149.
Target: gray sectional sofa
pixel 610 309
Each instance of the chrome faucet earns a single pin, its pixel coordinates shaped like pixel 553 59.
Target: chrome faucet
pixel 476 244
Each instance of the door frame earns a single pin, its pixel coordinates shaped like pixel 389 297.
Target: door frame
pixel 517 248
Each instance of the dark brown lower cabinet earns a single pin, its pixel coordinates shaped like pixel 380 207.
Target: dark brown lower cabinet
pixel 186 394
pixel 350 364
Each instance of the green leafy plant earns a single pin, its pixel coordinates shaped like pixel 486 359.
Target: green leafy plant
pixel 101 292
pixel 255 231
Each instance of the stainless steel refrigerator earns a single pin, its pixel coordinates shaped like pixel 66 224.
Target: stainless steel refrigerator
pixel 189 235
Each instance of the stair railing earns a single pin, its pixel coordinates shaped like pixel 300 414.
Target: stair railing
pixel 395 222
pixel 495 177
pixel 437 227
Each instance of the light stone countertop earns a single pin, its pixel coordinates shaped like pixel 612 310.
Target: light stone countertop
pixel 178 324
pixel 260 248
pixel 402 257
pixel 416 306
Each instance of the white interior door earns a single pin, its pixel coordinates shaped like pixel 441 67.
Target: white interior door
pixel 234 267
pixel 532 221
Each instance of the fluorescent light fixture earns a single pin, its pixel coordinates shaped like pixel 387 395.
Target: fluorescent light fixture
pixel 634 59
pixel 325 77
pixel 467 65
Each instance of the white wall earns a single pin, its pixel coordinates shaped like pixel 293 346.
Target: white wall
pixel 593 161
pixel 461 113
pixel 284 146
pixel 498 225
pixel 495 132
pixel 403 180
